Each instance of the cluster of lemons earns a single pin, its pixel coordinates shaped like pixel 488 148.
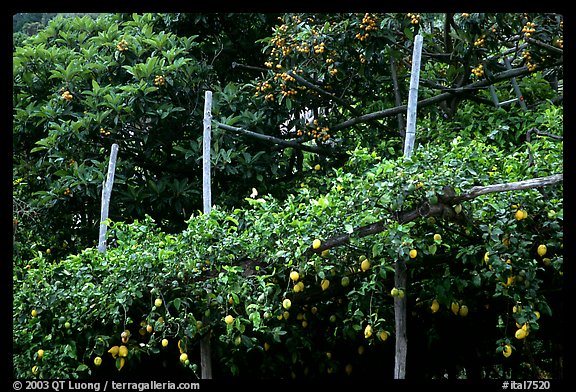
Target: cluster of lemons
pixel 104 132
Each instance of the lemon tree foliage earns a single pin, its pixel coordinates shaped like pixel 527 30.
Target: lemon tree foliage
pixel 293 276
pixel 243 259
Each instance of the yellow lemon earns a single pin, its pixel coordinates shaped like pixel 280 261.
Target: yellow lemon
pixel 542 250
pixel 368 331
pixel 34 313
pixel 317 167
pixel 437 237
pixel 520 333
pixel 413 253
pixel 164 342
pixel 435 306
pixel 114 351
pixel 507 351
pixel 34 370
pixel 229 319
pixel 286 304
pixel 463 311
pixel 519 215
pixel 546 261
pixel 394 292
pixel 316 243
pixel 324 284
pixel 294 275
pixel 537 313
pixel 122 351
pixel 97 361
pixel 266 346
pixel 455 307
pixel 325 253
pixel 365 266
pixel 40 353
pixel 383 335
pixel 183 357
pixel 158 302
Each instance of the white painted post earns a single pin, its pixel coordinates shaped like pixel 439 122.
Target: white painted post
pixel 106 192
pixel 205 350
pixel 206 169
pixel 413 97
pixel 400 276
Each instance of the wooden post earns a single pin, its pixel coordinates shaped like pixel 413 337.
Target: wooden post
pixel 106 192
pixel 205 350
pixel 400 279
pixel 413 97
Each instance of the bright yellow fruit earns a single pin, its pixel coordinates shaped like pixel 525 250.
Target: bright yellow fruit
pixel 537 313
pixel 394 292
pixel 317 167
pixel 229 319
pixel 324 284
pixel 507 351
pixel 34 370
pixel 437 237
pixel 520 333
pixel 114 351
pixel 463 311
pixel 97 361
pixel 435 306
pixel 368 331
pixel 298 287
pixel 158 302
pixel 542 250
pixel 164 342
pixel 122 351
pixel 40 353
pixel 286 304
pixel 413 253
pixel 294 275
pixel 34 313
pixel 316 243
pixel 455 307
pixel 365 265
pixel 183 357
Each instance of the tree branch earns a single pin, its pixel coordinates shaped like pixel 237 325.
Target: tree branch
pixel 281 142
pixel 450 92
pixel 441 209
